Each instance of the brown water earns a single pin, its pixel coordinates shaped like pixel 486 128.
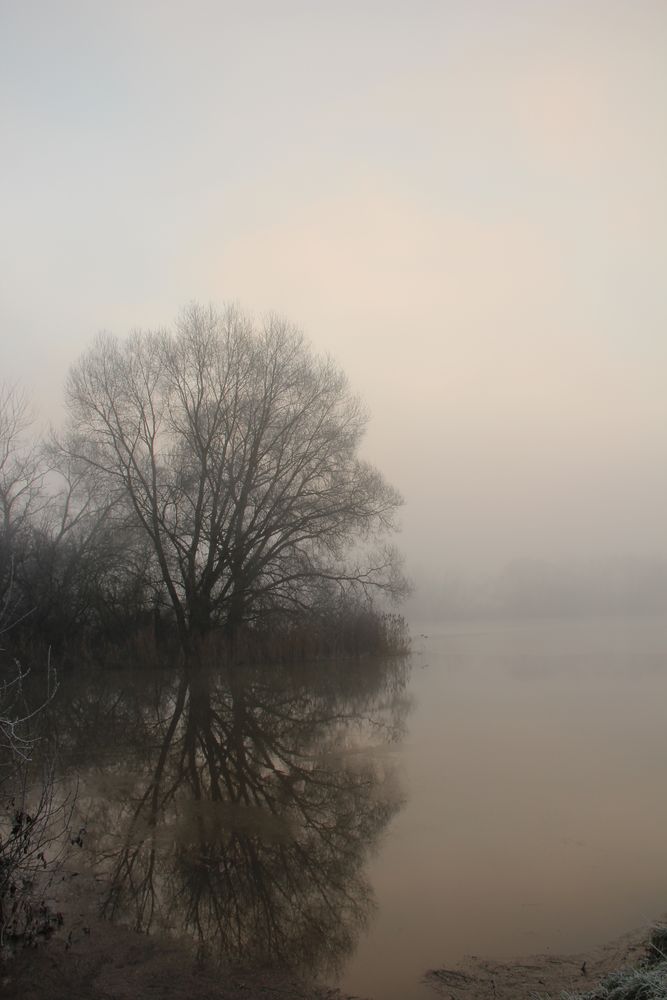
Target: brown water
pixel 534 767
pixel 502 793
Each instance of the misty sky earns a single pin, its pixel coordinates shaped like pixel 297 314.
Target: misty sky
pixel 462 201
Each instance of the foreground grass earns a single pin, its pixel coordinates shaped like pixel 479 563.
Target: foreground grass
pixel 647 982
pixel 629 984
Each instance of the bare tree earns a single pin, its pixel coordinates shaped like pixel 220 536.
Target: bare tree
pixel 21 470
pixel 82 558
pixel 235 451
pixel 21 491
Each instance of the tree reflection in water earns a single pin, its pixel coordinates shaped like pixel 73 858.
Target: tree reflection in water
pixel 242 806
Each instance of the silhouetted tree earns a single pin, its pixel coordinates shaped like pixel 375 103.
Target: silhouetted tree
pixel 234 450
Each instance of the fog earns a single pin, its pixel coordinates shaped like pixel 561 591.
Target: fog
pixel 462 203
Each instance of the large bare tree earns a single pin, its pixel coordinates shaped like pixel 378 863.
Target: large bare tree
pixel 235 449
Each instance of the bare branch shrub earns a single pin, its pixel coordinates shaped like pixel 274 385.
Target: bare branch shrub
pixel 34 818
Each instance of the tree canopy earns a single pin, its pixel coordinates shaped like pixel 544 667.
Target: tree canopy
pixel 233 449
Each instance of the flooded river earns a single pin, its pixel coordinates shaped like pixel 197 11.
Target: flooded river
pixel 535 819
pixel 502 792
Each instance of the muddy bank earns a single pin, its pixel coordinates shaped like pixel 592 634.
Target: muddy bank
pixel 125 966
pixel 89 958
pixel 538 975
pixel 94 960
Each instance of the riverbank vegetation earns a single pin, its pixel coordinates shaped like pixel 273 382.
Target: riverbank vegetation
pixel 648 981
pixel 34 815
pixel 207 483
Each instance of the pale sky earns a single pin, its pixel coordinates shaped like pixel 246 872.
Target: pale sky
pixel 462 202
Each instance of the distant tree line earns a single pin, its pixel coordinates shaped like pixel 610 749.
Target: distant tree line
pixel 206 487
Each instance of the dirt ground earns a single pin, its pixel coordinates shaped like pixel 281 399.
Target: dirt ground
pixel 91 959
pixel 538 975
pixel 120 968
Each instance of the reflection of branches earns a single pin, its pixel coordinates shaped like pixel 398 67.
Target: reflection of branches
pixel 250 828
pixel 16 742
pixel 34 826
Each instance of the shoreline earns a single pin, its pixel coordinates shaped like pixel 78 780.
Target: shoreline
pixel 89 958
pixel 542 975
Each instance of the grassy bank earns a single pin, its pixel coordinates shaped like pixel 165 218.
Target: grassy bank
pixel 646 982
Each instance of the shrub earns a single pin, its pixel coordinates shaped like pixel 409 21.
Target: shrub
pixel 33 822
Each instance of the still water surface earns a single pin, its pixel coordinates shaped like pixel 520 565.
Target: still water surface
pixel 535 820
pixel 501 793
